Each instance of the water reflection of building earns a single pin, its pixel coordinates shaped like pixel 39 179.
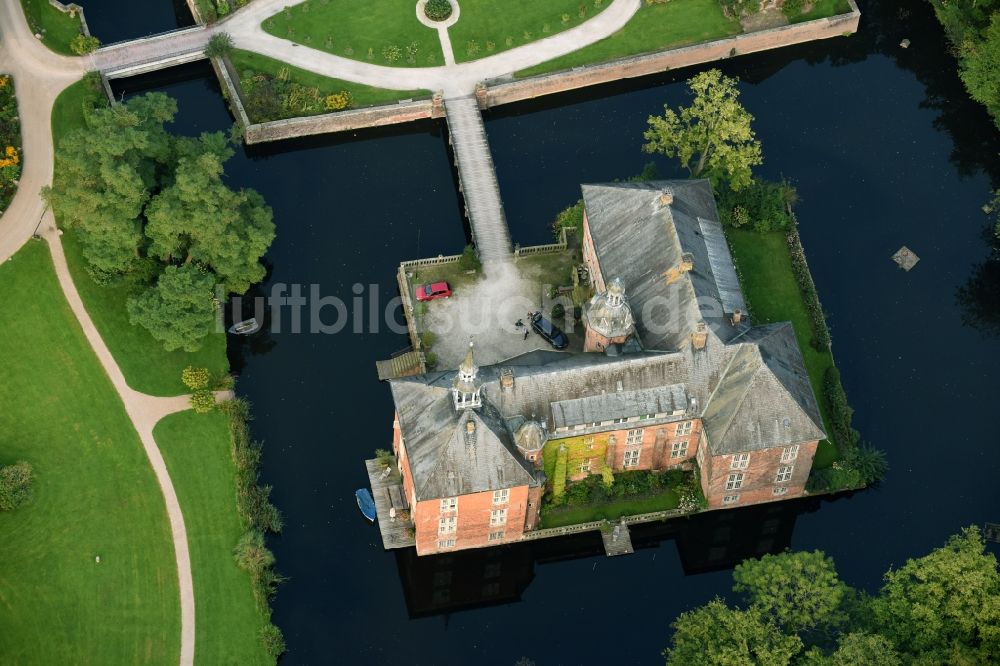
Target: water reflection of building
pixel 711 541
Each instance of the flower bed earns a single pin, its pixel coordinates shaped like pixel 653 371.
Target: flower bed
pixel 10 142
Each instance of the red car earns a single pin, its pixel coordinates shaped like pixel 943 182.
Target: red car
pixel 428 292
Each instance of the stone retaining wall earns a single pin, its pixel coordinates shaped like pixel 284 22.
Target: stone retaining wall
pixel 625 68
pixel 341 121
pixel 73 7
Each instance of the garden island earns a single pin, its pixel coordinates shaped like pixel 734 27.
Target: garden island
pixel 665 356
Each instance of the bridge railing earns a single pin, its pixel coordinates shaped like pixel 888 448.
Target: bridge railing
pixel 113 46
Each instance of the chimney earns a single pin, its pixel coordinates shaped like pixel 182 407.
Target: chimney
pixel 737 318
pixel 470 433
pixel 506 379
pixel 687 262
pixel 693 405
pixel 667 197
pixel 700 336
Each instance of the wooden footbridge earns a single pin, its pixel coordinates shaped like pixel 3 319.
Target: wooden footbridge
pixel 477 179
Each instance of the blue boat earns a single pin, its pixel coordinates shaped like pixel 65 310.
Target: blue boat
pixel 366 503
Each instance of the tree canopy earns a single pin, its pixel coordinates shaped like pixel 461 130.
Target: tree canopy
pixel 973 28
pixel 942 608
pixel 143 201
pixel 713 136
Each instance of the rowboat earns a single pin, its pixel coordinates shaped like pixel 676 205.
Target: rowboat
pixel 366 503
pixel 245 327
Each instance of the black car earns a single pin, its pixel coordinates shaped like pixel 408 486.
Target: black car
pixel 552 333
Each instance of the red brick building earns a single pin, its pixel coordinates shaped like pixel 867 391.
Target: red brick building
pixel 672 373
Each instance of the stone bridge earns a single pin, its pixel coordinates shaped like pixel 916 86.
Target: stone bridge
pixel 148 54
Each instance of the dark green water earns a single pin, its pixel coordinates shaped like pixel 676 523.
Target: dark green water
pixel 885 149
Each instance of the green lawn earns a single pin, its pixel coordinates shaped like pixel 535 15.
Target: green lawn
pixel 486 27
pixel 823 9
pixel 146 365
pixel 57 29
pixel 362 95
pixel 572 515
pixel 773 295
pixel 95 494
pixel 653 28
pixel 360 30
pixel 196 449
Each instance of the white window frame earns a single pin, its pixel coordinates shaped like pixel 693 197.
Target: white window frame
pixel 631 458
pixel 446 543
pixel 680 449
pixel 684 429
pixel 734 481
pixel 731 499
pixel 447 525
pixel 585 466
pixel 449 504
pixel 497 536
pixel 501 496
pixel 779 490
pixel 740 461
pixel 784 473
pixel 498 517
pixel 634 437
pixel 790 453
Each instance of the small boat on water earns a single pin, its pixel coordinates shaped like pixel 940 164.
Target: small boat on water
pixel 366 503
pixel 245 327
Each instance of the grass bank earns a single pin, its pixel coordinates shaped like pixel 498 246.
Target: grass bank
pixel 486 27
pixel 56 28
pixel 822 9
pixel 249 66
pixel 196 450
pixel 95 495
pixel 768 280
pixel 146 365
pixel 385 33
pixel 653 28
pixel 610 510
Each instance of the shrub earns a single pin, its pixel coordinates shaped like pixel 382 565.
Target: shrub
pixel 762 204
pixel 15 485
pixel 437 10
pixel 431 360
pixel 222 6
pixel 570 219
pixel 558 311
pixel 565 18
pixel 821 334
pixel 84 44
pixel 472 48
pixel 470 259
pixel 739 8
pixel 427 339
pixel 338 101
pixel 385 458
pixel 220 44
pixel 391 53
pixel 202 401
pixel 196 379
pixel 870 463
pixel 607 477
pixel 840 411
pixel 793 8
pixel 272 641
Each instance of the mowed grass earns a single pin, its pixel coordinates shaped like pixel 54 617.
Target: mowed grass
pixel 486 27
pixel 58 29
pixel 360 30
pixel 773 295
pixel 196 450
pixel 653 28
pixel 823 9
pixel 147 366
pixel 361 95
pixel 612 510
pixel 95 495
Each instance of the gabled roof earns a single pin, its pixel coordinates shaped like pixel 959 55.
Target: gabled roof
pixel 643 240
pixel 620 404
pixel 764 398
pixel 444 460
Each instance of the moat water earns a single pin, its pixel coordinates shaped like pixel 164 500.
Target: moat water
pixel 885 149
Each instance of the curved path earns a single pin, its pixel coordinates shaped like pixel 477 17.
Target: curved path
pixel 39 77
pixel 455 80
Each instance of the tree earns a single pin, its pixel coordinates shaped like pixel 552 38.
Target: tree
pixel 180 310
pixel 106 174
pixel 945 606
pixel 980 67
pixel 15 485
pixel 861 649
pixel 198 218
pixel 718 635
pixel 712 136
pixel 801 591
pixel 220 44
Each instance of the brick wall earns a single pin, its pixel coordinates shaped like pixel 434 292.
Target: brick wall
pixel 759 476
pixel 472 521
pixel 340 121
pixel 642 65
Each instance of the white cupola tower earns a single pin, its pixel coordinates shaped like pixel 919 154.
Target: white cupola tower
pixel 465 388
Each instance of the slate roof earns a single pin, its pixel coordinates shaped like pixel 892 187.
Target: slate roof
pixel 749 385
pixel 642 240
